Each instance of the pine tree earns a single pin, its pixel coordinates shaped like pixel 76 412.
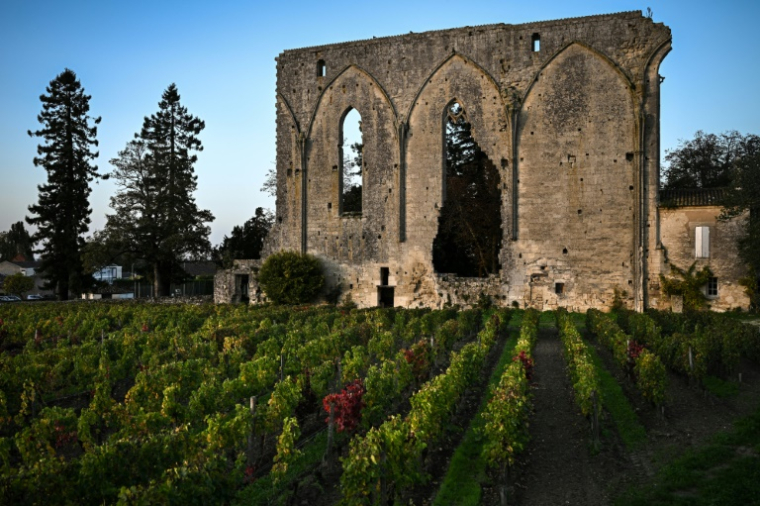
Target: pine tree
pixel 62 215
pixel 157 219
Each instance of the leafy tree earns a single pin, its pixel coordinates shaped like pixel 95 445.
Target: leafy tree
pixel 288 277
pixel 352 180
pixel 156 218
pixel 743 196
pixel 707 161
pixel 62 214
pixel 17 284
pixel 469 225
pixel 15 242
pixel 245 241
pixel 270 183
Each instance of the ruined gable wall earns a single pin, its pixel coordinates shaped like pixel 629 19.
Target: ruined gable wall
pixel 401 85
pixel 575 223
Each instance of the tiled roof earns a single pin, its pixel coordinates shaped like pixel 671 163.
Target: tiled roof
pixel 691 197
pixel 33 265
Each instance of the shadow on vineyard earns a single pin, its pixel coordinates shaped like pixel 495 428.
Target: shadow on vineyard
pixel 104 403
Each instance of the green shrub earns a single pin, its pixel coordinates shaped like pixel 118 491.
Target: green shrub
pixel 288 277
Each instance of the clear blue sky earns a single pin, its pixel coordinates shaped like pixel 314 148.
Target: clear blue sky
pixel 221 56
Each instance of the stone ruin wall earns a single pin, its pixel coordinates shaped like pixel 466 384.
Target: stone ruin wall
pixel 573 129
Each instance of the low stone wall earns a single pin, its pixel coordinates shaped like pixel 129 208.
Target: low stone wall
pixel 466 292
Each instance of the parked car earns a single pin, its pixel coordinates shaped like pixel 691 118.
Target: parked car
pixel 35 296
pixel 9 298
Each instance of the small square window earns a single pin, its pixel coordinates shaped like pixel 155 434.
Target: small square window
pixel 384 275
pixel 559 288
pixel 712 287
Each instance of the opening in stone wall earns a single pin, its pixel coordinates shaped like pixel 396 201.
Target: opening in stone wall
pixel 352 163
pixel 536 43
pixel 469 223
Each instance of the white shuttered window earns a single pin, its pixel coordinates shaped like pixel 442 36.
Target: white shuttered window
pixel 702 242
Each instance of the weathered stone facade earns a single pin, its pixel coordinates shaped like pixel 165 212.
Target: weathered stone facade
pixel 238 284
pixel 679 221
pixel 568 111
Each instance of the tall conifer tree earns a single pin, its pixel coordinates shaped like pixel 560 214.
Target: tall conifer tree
pixel 62 215
pixel 157 219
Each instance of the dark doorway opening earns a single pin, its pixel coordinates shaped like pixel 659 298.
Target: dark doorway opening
pixel 469 223
pixel 384 292
pixel 385 296
pixel 241 288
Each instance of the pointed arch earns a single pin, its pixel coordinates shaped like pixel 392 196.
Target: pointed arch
pixel 338 77
pixel 617 68
pixel 446 61
pixel 456 78
pixel 368 233
pixel 578 136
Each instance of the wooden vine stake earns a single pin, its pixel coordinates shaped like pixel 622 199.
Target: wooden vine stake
pixel 691 364
pixel 595 419
pixel 252 436
pixel 435 357
pixel 330 432
pixel 503 485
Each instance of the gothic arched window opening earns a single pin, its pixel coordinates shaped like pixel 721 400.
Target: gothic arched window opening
pixel 469 224
pixel 352 164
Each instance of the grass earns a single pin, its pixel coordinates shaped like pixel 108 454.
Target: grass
pixel 724 472
pixel 467 471
pixel 626 422
pixel 721 388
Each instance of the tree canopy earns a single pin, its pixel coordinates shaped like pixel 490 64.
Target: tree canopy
pixel 62 214
pixel 707 160
pixel 469 224
pixel 17 284
pixel 245 241
pixel 156 218
pixel 16 242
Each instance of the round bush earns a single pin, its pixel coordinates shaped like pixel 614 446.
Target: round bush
pixel 288 277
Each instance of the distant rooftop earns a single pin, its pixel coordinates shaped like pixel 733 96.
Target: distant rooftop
pixel 692 197
pixel 25 265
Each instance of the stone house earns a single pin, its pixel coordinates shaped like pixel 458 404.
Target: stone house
pixel 692 234
pixel 565 115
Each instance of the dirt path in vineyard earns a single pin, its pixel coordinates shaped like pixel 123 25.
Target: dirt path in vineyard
pixel 558 467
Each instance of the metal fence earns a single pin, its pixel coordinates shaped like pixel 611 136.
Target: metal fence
pixel 189 289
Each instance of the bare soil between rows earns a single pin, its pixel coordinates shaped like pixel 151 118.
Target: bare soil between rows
pixel 560 466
